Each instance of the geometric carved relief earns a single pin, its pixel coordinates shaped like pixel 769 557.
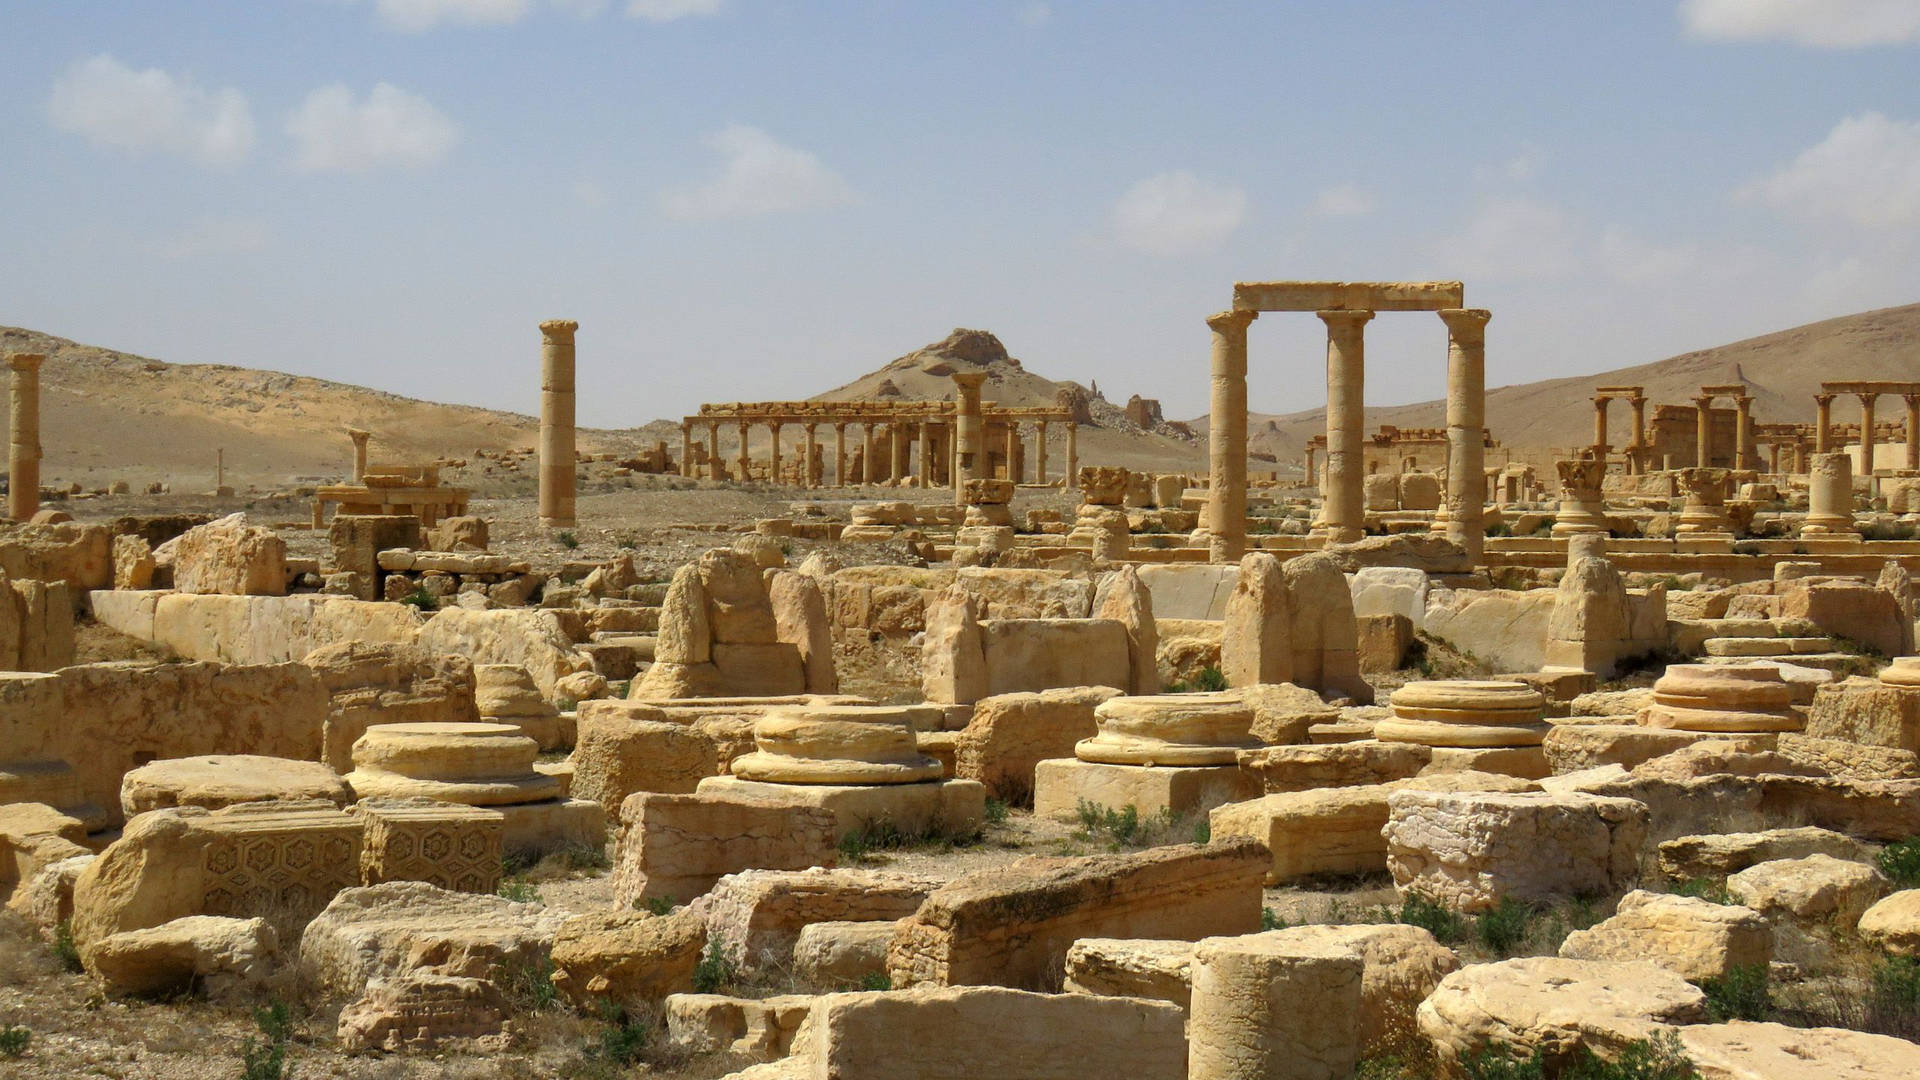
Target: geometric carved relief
pixel 451 845
pixel 278 860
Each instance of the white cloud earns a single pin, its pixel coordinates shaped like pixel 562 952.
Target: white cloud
pixel 333 132
pixel 1866 171
pixel 1343 200
pixel 1511 239
pixel 217 236
pixel 1177 213
pixel 114 106
pixel 417 15
pixel 1632 259
pixel 1039 14
pixel 669 10
pixel 760 175
pixel 1827 24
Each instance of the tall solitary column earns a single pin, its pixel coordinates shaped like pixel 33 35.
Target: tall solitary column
pixel 1465 508
pixel 1867 437
pixel 1913 431
pixel 557 463
pixel 1742 431
pixel 926 454
pixel 808 477
pixel 686 448
pixel 1040 452
pixel 359 453
pixel 1073 454
pixel 969 432
pixel 1823 424
pixel 1639 441
pixel 1599 421
pixel 839 454
pixel 1703 432
pixel 1343 513
pixel 1313 466
pixel 23 436
pixel 1227 438
pixel 773 471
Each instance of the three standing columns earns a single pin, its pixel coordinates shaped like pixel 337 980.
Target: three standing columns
pixel 1343 513
pixel 1226 438
pixel 558 466
pixel 1463 516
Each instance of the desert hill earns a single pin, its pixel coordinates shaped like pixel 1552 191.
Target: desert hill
pixel 1781 370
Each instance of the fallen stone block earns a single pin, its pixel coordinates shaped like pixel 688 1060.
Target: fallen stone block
pixel 404 927
pixel 419 1011
pixel 678 846
pixel 1470 850
pixel 756 916
pixel 1741 1050
pixel 631 958
pixel 1716 855
pixel 1555 1005
pixel 1696 939
pixel 1269 1005
pixel 224 957
pixel 1893 924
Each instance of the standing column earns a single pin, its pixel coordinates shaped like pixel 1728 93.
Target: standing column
pixel 1823 424
pixel 969 432
pixel 1599 423
pixel 359 453
pixel 808 477
pixel 1313 466
pixel 557 464
pixel 716 469
pixel 1773 457
pixel 1226 438
pixel 1343 513
pixel 1040 452
pixel 1464 513
pixel 870 456
pixel 1913 430
pixel 774 464
pixel 23 436
pixel 839 454
pixel 1703 432
pixel 1073 453
pixel 1742 431
pixel 745 460
pixel 1639 441
pixel 897 444
pixel 926 454
pixel 686 448
pixel 1867 437
pixel 1013 451
pixel 1799 455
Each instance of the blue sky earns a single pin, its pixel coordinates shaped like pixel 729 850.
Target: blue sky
pixel 757 199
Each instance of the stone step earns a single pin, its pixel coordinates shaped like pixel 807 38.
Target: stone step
pixel 1766 646
pixel 1838 662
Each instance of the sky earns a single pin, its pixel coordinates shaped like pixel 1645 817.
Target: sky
pixel 763 199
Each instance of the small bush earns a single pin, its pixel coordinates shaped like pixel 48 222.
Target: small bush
pixel 996 812
pixel 1203 831
pixel 65 950
pixel 519 890
pixel 567 540
pixel 715 970
pixel 623 1040
pixel 266 1058
pixel 875 980
pixel 1712 890
pixel 1271 920
pixel 1503 929
pixel 1658 1058
pixel 1742 994
pixel 1901 862
pixel 1501 1063
pixel 657 905
pixel 529 986
pixel 421 598
pixel 14 1040
pixel 1445 925
pixel 1210 680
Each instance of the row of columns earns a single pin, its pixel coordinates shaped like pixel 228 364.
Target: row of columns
pixel 1703 430
pixel 889 450
pixel 1343 506
pixel 1637 444
pixel 1823 428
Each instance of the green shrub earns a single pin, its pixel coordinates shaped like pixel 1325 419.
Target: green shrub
pixel 1271 920
pixel 1503 929
pixel 1203 831
pixel 658 905
pixel 715 970
pixel 1901 862
pixel 64 948
pixel 1742 994
pixel 1658 1058
pixel 1445 925
pixel 623 1040
pixel 421 598
pixel 14 1040
pixel 529 986
pixel 519 890
pixel 1712 890
pixel 1501 1063
pixel 567 540
pixel 875 980
pixel 996 813
pixel 266 1058
pixel 1210 680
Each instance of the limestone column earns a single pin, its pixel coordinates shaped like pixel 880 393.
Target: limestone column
pixel 1799 455
pixel 1014 470
pixel 809 478
pixel 1823 425
pixel 1040 452
pixel 869 457
pixel 557 462
pixel 1073 454
pixel 1464 512
pixel 23 436
pixel 1773 457
pixel 1309 469
pixel 1703 432
pixel 1343 513
pixel 1742 431
pixel 1600 424
pixel 1226 438
pixel 716 469
pixel 1913 430
pixel 1867 435
pixel 359 453
pixel 839 454
pixel 1639 425
pixel 745 459
pixel 926 454
pixel 686 449
pixel 1829 496
pixel 773 428
pixel 970 432
pixel 1269 1006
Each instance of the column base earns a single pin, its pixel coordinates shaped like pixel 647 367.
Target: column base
pixel 558 523
pixel 1060 785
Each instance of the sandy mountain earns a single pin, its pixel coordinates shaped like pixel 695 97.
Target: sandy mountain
pixel 109 415
pixel 1781 370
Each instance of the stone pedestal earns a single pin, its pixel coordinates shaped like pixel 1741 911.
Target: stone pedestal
pixel 23 436
pixel 1702 697
pixel 1060 785
pixel 1582 508
pixel 1705 510
pixel 928 808
pixel 1160 752
pixel 1473 725
pixel 1830 497
pixel 557 460
pixel 507 694
pixel 1270 1005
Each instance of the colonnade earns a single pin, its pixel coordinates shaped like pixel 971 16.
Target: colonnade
pixel 1868 394
pixel 1635 450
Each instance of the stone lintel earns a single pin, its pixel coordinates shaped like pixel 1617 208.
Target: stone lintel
pixel 1349 295
pixel 1870 387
